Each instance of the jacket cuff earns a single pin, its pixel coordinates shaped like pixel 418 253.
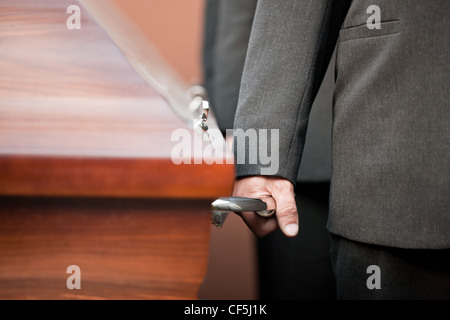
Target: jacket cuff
pixel 247 170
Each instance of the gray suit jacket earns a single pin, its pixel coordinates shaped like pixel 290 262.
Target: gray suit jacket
pixel 228 25
pixel 391 117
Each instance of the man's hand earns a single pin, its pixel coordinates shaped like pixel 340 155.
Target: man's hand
pixel 282 190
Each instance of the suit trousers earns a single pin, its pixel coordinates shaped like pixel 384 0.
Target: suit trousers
pixel 365 271
pixel 300 267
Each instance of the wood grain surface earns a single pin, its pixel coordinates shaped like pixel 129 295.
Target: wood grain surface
pixel 73 109
pixel 125 248
pixel 86 176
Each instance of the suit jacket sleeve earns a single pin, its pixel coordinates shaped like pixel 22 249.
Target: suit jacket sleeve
pixel 289 50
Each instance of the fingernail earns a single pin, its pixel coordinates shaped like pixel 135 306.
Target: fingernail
pixel 292 229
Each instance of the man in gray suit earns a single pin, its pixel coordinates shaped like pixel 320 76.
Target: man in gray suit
pixel 389 203
pixel 288 268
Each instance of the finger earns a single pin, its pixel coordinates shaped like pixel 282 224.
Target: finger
pixel 258 225
pixel 261 224
pixel 251 187
pixel 286 211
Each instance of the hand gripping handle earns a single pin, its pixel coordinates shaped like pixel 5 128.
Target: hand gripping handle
pixel 222 206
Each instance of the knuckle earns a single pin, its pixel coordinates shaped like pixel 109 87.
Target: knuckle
pixel 286 211
pixel 283 185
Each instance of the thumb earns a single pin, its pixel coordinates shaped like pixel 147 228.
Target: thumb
pixel 286 211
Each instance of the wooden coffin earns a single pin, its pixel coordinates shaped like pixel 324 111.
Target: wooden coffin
pixel 86 176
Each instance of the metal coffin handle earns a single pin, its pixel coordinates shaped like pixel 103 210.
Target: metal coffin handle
pixel 224 205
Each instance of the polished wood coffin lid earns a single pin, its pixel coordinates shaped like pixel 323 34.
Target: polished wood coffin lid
pixel 77 120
